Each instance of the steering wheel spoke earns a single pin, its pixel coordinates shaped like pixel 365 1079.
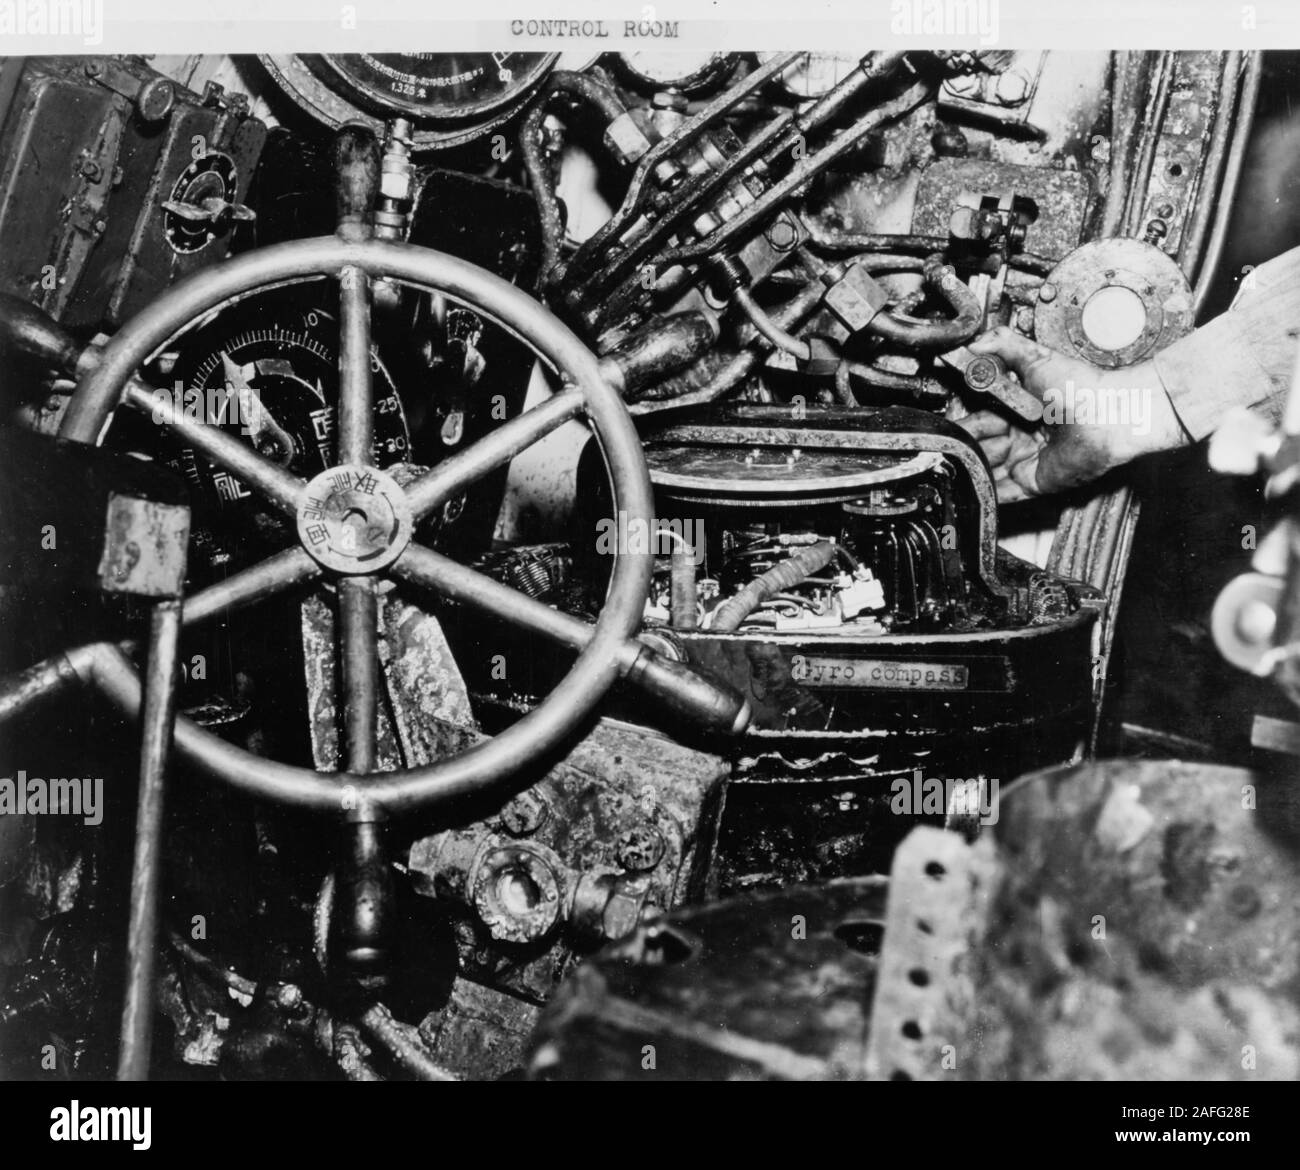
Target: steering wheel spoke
pixel 454 474
pixel 431 570
pixel 282 571
pixel 279 487
pixel 359 694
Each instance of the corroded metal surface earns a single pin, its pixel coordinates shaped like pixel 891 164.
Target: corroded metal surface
pixel 761 988
pixel 1148 928
pixel 624 823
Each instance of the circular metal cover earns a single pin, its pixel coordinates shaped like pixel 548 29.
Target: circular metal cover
pixel 1061 317
pixel 768 476
pixel 452 98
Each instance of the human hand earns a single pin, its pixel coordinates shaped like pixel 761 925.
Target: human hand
pixel 1093 419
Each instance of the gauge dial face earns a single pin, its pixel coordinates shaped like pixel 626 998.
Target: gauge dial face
pixel 685 71
pixel 815 74
pixel 266 372
pixel 444 87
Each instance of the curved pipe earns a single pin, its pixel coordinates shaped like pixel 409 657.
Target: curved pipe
pixel 780 338
pixel 589 90
pixel 539 179
pixel 606 101
pixel 916 334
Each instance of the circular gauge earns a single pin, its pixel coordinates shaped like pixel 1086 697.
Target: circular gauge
pixel 815 74
pixel 450 97
pixel 266 372
pixel 211 177
pixel 689 72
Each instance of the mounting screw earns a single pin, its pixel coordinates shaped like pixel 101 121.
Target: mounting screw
pixel 782 235
pixel 640 848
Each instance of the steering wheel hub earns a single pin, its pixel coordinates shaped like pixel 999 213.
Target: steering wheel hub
pixel 354 519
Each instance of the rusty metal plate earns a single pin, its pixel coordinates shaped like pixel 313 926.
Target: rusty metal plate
pixel 1062 198
pixel 145 546
pixel 775 987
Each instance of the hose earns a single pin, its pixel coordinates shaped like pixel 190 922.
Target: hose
pixel 798 568
pixel 591 91
pixel 530 134
pixel 548 203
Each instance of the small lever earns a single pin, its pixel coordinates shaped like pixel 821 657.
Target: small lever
pixel 212 210
pixel 985 373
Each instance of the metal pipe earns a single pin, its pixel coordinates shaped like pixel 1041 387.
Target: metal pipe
pixel 423 566
pixel 767 146
pixel 1158 105
pixel 779 337
pixel 356 391
pixel 1192 244
pixel 1231 177
pixel 1128 67
pixel 683 595
pixel 843 387
pixel 914 333
pixel 912 384
pixel 378 1024
pixel 834 241
pixel 146 875
pixel 292 567
pixel 717 374
pixel 46 679
pixel 801 175
pixel 210 967
pixel 590 254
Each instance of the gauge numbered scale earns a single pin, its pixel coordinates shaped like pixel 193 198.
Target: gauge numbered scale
pixel 451 98
pixel 266 371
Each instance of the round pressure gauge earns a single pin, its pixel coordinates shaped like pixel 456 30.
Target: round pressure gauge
pixel 450 97
pixel 688 72
pixel 815 74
